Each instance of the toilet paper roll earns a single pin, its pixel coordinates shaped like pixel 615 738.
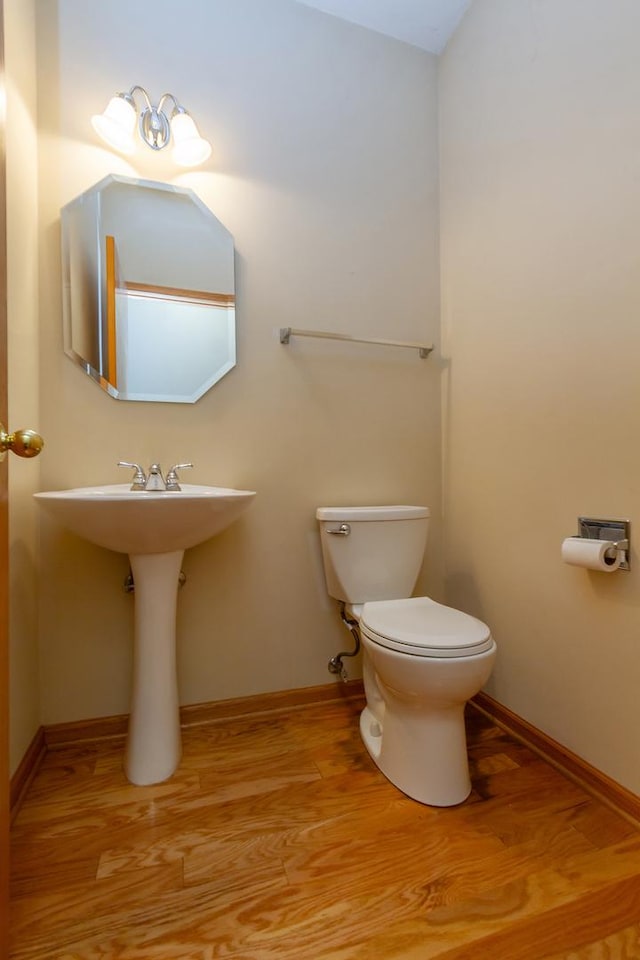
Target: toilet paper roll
pixel 591 554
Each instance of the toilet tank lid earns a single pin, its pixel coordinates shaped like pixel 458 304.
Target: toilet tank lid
pixel 354 514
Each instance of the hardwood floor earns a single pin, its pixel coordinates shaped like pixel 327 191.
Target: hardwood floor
pixel 278 839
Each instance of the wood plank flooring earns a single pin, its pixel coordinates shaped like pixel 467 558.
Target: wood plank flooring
pixel 278 839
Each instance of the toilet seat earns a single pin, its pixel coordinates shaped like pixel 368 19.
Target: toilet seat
pixel 421 627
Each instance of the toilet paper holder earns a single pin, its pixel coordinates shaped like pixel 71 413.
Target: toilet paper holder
pixel 618 531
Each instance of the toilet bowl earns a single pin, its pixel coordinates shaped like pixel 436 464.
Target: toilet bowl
pixel 422 661
pixel 425 661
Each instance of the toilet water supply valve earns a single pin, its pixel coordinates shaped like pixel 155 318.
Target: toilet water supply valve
pixel 335 664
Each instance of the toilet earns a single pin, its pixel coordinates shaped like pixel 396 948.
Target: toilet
pixel 422 660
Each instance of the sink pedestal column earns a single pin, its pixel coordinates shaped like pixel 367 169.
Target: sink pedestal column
pixel 154 743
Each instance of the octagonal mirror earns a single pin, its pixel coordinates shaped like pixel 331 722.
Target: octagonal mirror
pixel 148 290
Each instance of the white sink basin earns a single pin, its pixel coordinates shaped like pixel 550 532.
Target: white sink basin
pixel 154 528
pixel 141 521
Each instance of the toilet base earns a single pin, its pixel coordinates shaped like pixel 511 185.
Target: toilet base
pixel 424 755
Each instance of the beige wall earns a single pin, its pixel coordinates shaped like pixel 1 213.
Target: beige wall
pixel 540 153
pixel 325 171
pixel 22 304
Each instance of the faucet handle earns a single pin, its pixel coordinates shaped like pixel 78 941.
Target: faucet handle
pixel 172 475
pixel 139 480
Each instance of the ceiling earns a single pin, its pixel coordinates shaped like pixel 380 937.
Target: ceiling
pixel 424 23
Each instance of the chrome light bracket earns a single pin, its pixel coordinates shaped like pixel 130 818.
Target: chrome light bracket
pixel 154 128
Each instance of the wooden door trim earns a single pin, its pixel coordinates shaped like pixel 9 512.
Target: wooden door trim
pixel 26 771
pixel 4 538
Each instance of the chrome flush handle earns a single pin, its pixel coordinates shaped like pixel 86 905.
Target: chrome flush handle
pixel 342 531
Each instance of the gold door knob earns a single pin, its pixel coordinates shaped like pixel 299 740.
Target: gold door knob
pixel 24 443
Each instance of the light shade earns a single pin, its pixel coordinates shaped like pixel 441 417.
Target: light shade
pixel 116 124
pixel 156 126
pixel 189 148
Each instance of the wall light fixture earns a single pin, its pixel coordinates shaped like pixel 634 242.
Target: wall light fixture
pixel 117 124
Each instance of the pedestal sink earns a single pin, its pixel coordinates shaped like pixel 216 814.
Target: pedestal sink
pixel 154 528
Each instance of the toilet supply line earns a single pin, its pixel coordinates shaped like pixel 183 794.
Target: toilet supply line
pixel 335 664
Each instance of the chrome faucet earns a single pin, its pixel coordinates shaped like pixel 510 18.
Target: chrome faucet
pixel 154 480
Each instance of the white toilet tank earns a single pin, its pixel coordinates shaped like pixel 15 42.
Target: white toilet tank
pixel 372 553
